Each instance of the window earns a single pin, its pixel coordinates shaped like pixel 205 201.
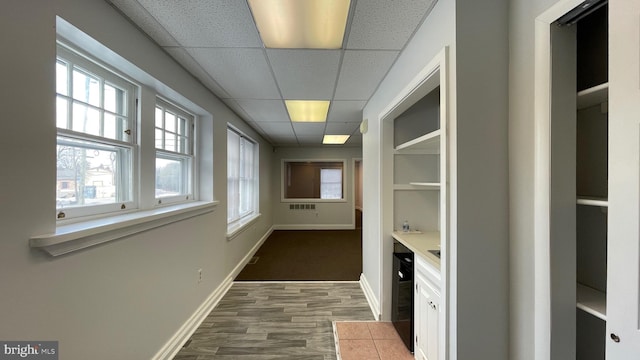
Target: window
pixel 97 142
pixel 95 118
pixel 321 180
pixel 174 153
pixel 331 183
pixel 242 176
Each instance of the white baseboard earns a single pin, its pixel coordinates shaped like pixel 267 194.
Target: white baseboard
pixel 371 298
pixel 250 254
pixel 314 227
pixel 171 348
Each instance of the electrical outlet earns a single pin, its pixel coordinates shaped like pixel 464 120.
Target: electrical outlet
pixel 199 276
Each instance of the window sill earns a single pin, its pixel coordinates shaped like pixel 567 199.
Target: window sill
pixel 239 226
pixel 72 237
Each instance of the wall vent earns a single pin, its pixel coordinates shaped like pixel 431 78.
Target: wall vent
pixel 302 206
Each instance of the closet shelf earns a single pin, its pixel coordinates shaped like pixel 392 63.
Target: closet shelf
pixel 417 186
pixel 592 201
pixel 427 144
pixel 592 301
pixel 593 96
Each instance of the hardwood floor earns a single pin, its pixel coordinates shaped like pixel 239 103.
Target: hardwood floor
pixel 277 320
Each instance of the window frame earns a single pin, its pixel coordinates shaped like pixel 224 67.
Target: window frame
pixel 188 159
pixel 237 222
pixel 75 59
pixel 283 177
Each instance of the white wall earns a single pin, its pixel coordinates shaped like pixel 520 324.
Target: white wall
pixel 476 33
pixel 436 32
pixel 522 15
pixel 328 215
pixel 126 298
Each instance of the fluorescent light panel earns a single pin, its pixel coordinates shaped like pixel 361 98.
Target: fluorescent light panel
pixel 335 139
pixel 301 24
pixel 307 110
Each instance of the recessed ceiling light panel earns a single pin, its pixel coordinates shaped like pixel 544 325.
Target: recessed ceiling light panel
pixel 335 139
pixel 297 24
pixel 307 110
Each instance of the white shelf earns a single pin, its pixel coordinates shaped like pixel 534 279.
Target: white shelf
pixel 417 186
pixel 593 96
pixel 592 201
pixel 427 144
pixel 592 301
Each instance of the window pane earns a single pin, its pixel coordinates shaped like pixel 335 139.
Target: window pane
pixel 91 174
pixel 114 99
pixel 62 112
pixel 331 184
pixel 182 126
pixel 86 88
pixel 170 122
pixel 169 175
pixel 159 144
pixel 182 145
pixel 169 141
pixel 114 127
pixel 62 87
pixel 159 117
pixel 86 119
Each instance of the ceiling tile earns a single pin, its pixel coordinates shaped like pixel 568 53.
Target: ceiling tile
pixel 305 74
pixel 355 139
pixel 284 140
pixel 243 73
pixel 277 129
pixel 265 110
pixel 141 17
pixel 183 57
pixel 346 128
pixel 206 23
pixel 308 129
pixel 361 73
pixel 344 111
pixel 384 24
pixel 310 140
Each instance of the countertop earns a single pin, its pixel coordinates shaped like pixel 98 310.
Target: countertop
pixel 420 243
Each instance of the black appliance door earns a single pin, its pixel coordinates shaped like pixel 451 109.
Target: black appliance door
pixel 402 297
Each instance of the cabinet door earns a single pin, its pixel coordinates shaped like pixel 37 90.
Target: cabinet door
pixel 426 320
pixel 623 265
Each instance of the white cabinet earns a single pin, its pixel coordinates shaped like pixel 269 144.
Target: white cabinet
pixel 427 314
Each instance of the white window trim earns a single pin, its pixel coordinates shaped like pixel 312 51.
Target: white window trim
pixel 80 235
pixel 313 200
pixel 237 227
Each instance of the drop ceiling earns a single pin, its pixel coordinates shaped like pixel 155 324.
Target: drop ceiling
pixel 218 42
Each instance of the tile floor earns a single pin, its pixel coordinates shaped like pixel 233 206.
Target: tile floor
pixel 369 340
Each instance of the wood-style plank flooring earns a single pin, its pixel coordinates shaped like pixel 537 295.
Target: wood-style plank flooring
pixel 276 320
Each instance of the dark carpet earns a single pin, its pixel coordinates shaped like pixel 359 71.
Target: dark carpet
pixel 307 255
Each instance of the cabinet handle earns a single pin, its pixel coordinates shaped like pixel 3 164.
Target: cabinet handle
pixel 615 338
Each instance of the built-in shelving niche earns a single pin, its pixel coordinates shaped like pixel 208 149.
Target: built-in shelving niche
pixel 592 159
pixel 417 164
